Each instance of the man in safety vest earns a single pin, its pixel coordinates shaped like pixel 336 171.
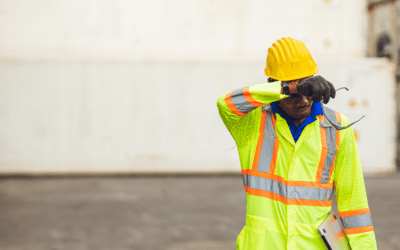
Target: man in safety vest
pixel 293 160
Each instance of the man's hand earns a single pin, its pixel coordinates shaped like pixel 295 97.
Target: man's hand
pixel 316 87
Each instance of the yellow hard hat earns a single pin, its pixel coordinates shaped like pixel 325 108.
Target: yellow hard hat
pixel 289 59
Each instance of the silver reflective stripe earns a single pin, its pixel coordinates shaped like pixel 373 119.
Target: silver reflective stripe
pixel 330 156
pixel 309 193
pixel 261 183
pixel 240 102
pixel 267 148
pixel 330 141
pixel 331 115
pixel 362 220
pixel 244 177
pixel 267 108
pixel 325 124
pixel 290 192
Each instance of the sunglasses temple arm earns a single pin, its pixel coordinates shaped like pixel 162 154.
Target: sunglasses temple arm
pixel 338 127
pixel 342 88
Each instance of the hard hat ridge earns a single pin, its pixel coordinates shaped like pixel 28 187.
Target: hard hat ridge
pixel 289 59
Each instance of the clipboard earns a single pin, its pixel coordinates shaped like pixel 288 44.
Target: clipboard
pixel 333 234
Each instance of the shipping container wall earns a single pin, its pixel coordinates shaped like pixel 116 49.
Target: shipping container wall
pixel 93 117
pixel 131 86
pixel 178 30
pixel 384 39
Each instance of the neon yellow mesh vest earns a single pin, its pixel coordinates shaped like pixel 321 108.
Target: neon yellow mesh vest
pixel 290 186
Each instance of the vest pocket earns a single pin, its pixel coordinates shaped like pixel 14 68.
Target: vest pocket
pixel 261 234
pixel 249 239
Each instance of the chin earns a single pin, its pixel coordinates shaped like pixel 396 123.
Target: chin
pixel 302 116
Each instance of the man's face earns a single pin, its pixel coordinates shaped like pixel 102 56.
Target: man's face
pixel 297 107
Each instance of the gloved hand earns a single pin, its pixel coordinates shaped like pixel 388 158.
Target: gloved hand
pixel 317 87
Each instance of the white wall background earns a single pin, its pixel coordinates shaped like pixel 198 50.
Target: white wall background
pixel 122 117
pixel 178 30
pixel 131 86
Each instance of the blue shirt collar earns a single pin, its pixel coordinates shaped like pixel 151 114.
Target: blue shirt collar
pixel 316 109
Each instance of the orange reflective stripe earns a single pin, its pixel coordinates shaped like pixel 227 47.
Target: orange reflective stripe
pixel 310 203
pixel 324 151
pixel 359 230
pixel 274 156
pixel 266 194
pixel 355 212
pixel 287 183
pixel 285 200
pixel 264 175
pixel 338 117
pixel 333 163
pixel 309 184
pixel 250 98
pixel 232 106
pixel 275 152
pixel 260 140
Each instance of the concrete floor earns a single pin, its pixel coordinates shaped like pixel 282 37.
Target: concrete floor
pixel 171 213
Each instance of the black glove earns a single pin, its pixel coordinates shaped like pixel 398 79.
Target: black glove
pixel 316 87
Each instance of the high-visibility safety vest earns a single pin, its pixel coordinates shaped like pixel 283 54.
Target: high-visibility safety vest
pixel 290 186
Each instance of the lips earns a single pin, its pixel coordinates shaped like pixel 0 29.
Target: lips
pixel 303 107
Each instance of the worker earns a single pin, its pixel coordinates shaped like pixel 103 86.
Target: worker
pixel 293 160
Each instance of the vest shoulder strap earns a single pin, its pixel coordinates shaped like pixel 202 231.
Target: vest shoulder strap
pixel 269 110
pixel 331 114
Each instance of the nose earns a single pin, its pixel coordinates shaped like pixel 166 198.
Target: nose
pixel 303 100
